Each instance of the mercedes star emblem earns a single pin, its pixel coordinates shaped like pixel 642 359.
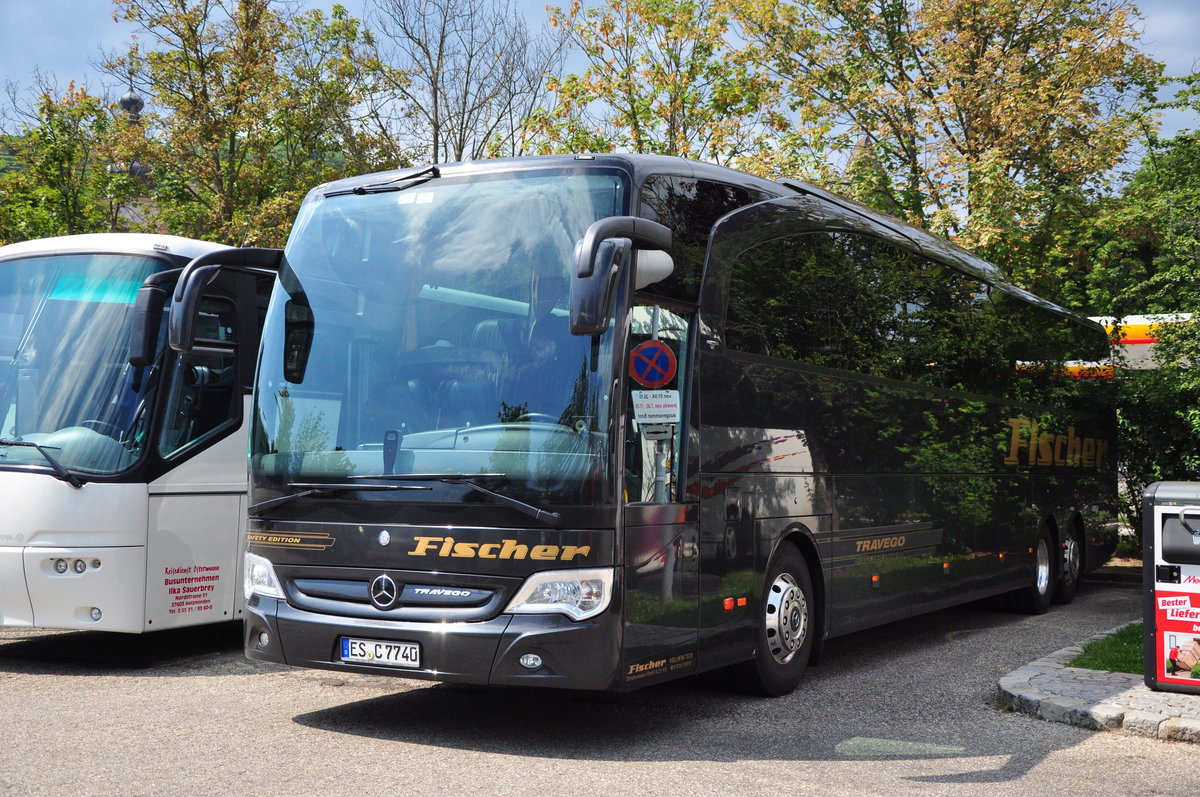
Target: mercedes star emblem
pixel 383 592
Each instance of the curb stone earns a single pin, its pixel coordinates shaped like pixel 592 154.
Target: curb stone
pixel 1105 701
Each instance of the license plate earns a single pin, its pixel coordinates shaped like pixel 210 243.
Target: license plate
pixel 386 654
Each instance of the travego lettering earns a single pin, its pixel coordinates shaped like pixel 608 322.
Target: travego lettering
pixel 1030 446
pixel 447 547
pixel 879 544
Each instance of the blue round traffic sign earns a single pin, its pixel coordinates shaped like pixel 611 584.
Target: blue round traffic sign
pixel 652 364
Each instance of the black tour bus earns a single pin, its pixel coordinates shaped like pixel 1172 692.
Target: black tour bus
pixel 601 421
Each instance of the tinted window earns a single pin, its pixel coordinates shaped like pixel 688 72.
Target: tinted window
pixel 689 207
pixel 860 304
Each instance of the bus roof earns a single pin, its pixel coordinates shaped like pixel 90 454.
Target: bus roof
pixel 131 242
pixel 640 166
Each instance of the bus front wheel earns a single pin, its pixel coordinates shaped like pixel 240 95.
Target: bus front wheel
pixel 785 628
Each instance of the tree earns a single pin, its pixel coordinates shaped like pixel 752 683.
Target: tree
pixel 465 74
pixel 660 78
pixel 985 117
pixel 257 107
pixel 61 180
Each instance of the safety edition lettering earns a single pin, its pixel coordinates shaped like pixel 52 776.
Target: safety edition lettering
pixel 447 547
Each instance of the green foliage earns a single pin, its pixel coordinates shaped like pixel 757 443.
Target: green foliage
pixel 58 179
pixel 1139 253
pixel 662 77
pixel 1158 433
pixel 257 107
pixel 1119 652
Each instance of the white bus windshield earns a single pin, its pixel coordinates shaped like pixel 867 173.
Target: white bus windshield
pixel 425 331
pixel 65 382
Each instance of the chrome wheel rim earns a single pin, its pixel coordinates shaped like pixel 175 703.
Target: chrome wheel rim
pixel 1043 567
pixel 786 618
pixel 1072 556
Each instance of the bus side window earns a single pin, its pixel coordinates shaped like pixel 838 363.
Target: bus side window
pixel 204 394
pixel 689 206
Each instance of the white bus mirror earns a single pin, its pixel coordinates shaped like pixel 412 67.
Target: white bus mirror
pixel 653 265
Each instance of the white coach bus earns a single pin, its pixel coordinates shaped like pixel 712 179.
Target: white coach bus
pixel 122 463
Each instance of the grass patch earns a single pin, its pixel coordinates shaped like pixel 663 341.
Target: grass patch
pixel 1119 652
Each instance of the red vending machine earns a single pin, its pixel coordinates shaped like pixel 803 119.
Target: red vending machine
pixel 1171 578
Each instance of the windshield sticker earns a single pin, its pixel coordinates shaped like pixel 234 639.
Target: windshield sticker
pixel 81 288
pixel 656 406
pixel 652 364
pixel 415 198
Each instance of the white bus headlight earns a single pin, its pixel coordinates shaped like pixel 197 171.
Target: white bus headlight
pixel 579 594
pixel 259 577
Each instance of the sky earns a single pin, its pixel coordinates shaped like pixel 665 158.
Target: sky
pixel 64 37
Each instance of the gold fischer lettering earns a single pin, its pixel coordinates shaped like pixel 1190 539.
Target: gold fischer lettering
pixel 1019 441
pixel 447 547
pixel 464 550
pixel 424 544
pixel 512 550
pixel 1064 450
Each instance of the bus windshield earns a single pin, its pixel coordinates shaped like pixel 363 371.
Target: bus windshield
pixel 422 329
pixel 68 396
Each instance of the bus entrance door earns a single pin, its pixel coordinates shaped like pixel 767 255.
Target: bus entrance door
pixel 660 529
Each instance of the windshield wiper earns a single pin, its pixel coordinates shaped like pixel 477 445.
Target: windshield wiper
pixel 316 488
pixel 552 519
pixel 55 465
pixel 428 173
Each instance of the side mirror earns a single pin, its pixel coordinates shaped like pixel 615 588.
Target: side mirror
pixel 147 316
pixel 297 340
pixel 592 296
pixel 199 273
pixel 653 265
pixel 606 249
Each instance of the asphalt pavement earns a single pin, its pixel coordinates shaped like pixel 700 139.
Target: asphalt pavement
pixel 904 708
pixel 1109 701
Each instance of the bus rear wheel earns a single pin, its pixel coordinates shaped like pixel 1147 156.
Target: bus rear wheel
pixel 1035 599
pixel 785 628
pixel 1070 565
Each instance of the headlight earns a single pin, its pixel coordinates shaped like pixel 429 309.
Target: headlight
pixel 579 594
pixel 259 577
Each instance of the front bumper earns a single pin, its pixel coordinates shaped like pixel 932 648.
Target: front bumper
pixel 575 655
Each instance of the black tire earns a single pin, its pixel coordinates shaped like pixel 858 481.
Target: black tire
pixel 1070 565
pixel 785 628
pixel 1035 599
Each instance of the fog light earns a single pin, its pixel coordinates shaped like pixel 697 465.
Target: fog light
pixel 531 661
pixel 80 565
pixel 95 614
pixel 60 565
pixel 264 639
